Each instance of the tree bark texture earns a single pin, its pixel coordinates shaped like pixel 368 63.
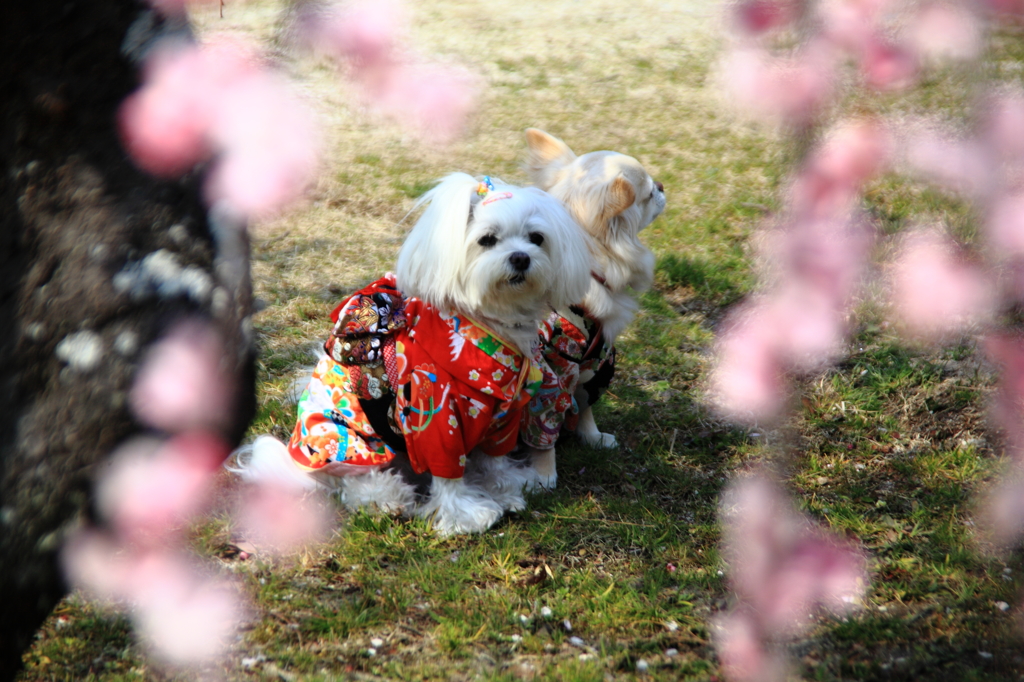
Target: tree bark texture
pixel 74 213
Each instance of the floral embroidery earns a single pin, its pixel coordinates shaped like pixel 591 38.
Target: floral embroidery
pixel 572 345
pixel 394 365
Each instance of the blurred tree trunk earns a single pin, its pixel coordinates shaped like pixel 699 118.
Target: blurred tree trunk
pixel 74 212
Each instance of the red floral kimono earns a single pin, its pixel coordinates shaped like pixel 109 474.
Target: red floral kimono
pixel 573 345
pixel 403 376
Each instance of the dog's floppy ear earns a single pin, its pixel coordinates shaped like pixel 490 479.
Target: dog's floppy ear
pixel 434 253
pixel 547 155
pixel 621 196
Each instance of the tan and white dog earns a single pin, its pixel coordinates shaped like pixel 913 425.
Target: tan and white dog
pixel 613 198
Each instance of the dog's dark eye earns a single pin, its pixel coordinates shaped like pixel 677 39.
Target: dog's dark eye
pixel 536 238
pixel 487 241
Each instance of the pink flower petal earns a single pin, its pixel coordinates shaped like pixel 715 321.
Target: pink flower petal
pixel 281 517
pixel 791 90
pixel 182 384
pixel 1004 125
pixel 747 382
pixel 942 31
pixel 959 165
pixel 433 100
pixel 187 618
pixel 1002 512
pixel 150 489
pixel 95 562
pixel 165 124
pixel 742 649
pixel 364 33
pixel 760 16
pixel 936 292
pixel 782 565
pixel 886 65
pixel 270 147
pixel 852 24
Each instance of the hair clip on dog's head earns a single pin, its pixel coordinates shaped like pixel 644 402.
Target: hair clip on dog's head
pixel 486 189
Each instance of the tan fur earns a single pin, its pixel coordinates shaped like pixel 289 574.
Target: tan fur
pixel 613 198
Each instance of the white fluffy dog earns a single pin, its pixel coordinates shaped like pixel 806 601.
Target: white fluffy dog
pixel 424 384
pixel 613 198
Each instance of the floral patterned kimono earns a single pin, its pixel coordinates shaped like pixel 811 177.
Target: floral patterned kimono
pixel 401 375
pixel 574 347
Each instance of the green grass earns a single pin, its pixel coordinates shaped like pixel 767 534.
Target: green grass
pixel 890 447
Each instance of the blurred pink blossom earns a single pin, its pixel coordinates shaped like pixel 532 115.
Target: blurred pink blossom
pixel 181 384
pixel 781 564
pixel 269 143
pixel 935 290
pixel 1003 129
pixel 747 383
pixel 365 33
pixel 152 488
pixel 944 31
pixel 759 16
pixel 186 616
pixel 216 99
pixel 366 37
pixel 165 124
pixel 432 99
pixel 851 24
pixel 886 65
pixel 1002 511
pixel 853 153
pixel 743 651
pixel 791 89
pixel 281 517
pixel 1006 226
pixel 809 325
pixel 1007 351
pixel 957 164
pixel 97 563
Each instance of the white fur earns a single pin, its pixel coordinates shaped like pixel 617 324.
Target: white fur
pixel 503 479
pixel 267 459
pixel 456 506
pixel 384 491
pixel 444 263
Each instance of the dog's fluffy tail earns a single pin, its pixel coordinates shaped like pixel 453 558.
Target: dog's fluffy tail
pixel 267 460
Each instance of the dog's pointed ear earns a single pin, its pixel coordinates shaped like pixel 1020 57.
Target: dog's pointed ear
pixel 547 154
pixel 621 196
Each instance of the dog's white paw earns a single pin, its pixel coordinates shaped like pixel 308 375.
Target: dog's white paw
pixel 545 472
pixel 473 519
pixel 456 507
pixel 599 440
pixel 588 432
pixel 502 479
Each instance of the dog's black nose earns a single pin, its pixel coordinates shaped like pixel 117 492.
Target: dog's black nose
pixel 661 187
pixel 520 261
